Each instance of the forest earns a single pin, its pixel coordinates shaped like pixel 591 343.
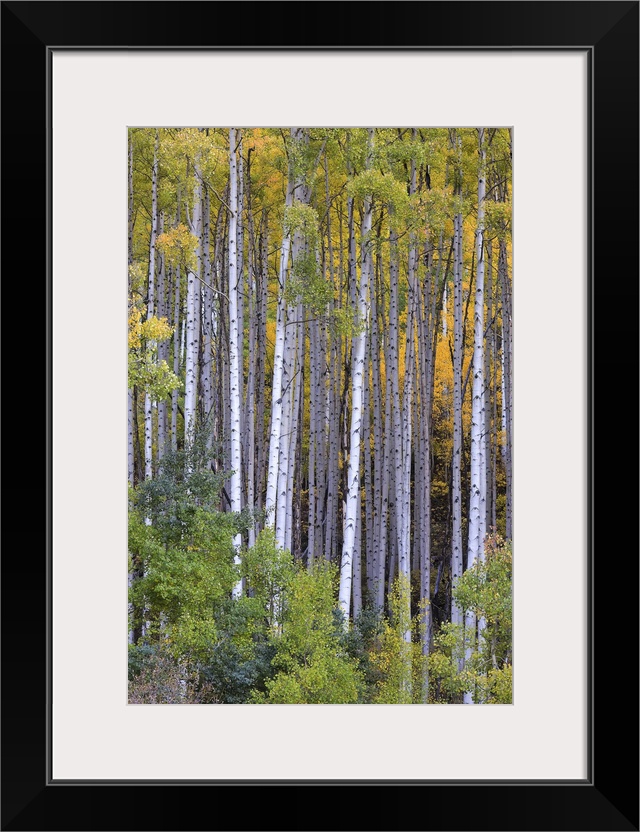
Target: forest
pixel 320 415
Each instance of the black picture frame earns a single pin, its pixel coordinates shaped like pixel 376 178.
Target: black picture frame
pixel 608 798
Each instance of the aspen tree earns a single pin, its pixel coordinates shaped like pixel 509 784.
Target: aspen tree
pixel 456 487
pixel 478 479
pixel 234 358
pixel 357 387
pixel 151 301
pixel 192 328
pixel 277 389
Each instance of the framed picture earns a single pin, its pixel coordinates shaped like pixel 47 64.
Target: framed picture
pixel 564 77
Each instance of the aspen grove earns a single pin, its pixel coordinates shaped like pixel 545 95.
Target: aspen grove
pixel 320 415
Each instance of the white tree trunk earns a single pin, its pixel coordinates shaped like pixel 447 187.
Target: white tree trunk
pixel 193 321
pixel 240 297
pixel 388 456
pixel 235 486
pixel 357 562
pixel 388 452
pixel 148 436
pixel 207 315
pixel 295 427
pixel 503 388
pixel 334 438
pixel 331 527
pixel 250 443
pixel 507 383
pixel 403 499
pixel 444 312
pixel 176 361
pixel 130 447
pixel 368 483
pixel 478 479
pixel 357 386
pixel 277 389
pixel 489 398
pixel 396 410
pixel 313 438
pixel 163 346
pixel 377 555
pixel 281 462
pixel 456 487
pixel 263 448
pixel 427 328
pixel 284 484
pixel 151 301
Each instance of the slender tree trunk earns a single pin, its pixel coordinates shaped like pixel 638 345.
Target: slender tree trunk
pixel 489 393
pixel 313 416
pixel 250 443
pixel 193 319
pixel 130 214
pixel 404 499
pixel 163 348
pixel 296 420
pixel 130 453
pixel 284 483
pixel 389 453
pixel 456 480
pixel 444 312
pixel 261 370
pixel 386 497
pixel 240 296
pixel 137 446
pixel 277 389
pixel 357 562
pixel 151 302
pixel 376 554
pixel 207 318
pixel 322 444
pixel 333 473
pixel 176 360
pixel 396 410
pixel 404 518
pixel 235 495
pixel 478 482
pixel 428 327
pixel 368 483
pixel 219 281
pixel 357 384
pixel 286 466
pixel 507 393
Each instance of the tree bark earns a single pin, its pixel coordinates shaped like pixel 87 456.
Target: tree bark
pixel 456 479
pixel 250 407
pixel 192 347
pixel 507 392
pixel 163 347
pixel 176 359
pixel 235 495
pixel 277 389
pixel 357 384
pixel 151 301
pixel 478 480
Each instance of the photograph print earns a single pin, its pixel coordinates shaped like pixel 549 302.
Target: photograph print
pixel 320 415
